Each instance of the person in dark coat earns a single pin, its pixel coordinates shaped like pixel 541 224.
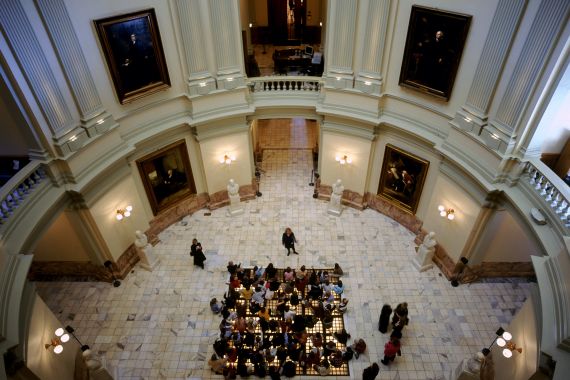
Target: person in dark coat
pixel 289 241
pixel 371 372
pixel 196 252
pixel 384 318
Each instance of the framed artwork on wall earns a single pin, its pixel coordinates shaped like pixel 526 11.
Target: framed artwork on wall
pixel 402 179
pixel 167 176
pixel 133 51
pixel 433 50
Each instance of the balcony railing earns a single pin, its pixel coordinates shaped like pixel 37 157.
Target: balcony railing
pixel 553 191
pixel 18 188
pixel 285 84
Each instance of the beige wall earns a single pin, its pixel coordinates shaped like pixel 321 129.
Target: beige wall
pixel 261 13
pixel 314 6
pixel 44 363
pixel 523 328
pixel 352 175
pixel 61 242
pixel 506 241
pixel 451 234
pixel 119 235
pixel 217 174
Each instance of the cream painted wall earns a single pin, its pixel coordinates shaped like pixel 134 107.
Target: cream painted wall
pixel 44 363
pixel 314 6
pixel 523 328
pixel 506 241
pixel 217 174
pixel 119 235
pixel 352 175
pixel 451 234
pixel 254 132
pixel 61 242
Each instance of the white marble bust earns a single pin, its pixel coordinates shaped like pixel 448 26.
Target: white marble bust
pixel 141 240
pixel 428 244
pixel 233 188
pixel 338 188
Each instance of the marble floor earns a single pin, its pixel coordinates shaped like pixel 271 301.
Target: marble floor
pixel 158 325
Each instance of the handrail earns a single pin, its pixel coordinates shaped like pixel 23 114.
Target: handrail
pixel 18 188
pixel 285 83
pixel 552 189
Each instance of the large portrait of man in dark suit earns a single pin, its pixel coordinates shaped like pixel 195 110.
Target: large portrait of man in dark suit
pixel 133 51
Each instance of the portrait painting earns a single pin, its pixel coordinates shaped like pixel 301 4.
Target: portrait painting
pixel 402 179
pixel 167 176
pixel 434 45
pixel 133 51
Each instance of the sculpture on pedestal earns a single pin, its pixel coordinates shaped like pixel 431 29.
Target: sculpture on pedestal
pixel 335 207
pixel 144 250
pixel 233 193
pixel 426 250
pixel 97 370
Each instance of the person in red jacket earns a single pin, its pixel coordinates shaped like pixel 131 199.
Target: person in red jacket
pixel 391 349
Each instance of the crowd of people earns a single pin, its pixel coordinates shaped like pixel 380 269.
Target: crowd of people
pixel 270 316
pixel 270 323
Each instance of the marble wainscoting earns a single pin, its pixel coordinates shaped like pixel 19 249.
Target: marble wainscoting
pixel 220 198
pixel 410 221
pixel 349 198
pixel 67 271
pixel 505 269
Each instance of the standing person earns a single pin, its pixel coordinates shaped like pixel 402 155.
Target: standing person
pixel 391 349
pixel 289 241
pixel 196 252
pixel 384 318
pixel 371 372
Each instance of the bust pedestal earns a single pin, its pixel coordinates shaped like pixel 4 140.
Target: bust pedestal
pixel 236 208
pixel 335 208
pixel 423 259
pixel 149 261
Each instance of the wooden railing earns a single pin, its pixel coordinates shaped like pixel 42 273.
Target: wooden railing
pixel 18 188
pixel 554 192
pixel 285 83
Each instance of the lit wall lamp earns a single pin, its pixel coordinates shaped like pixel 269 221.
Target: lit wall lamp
pixel 446 213
pixel 344 159
pixel 227 159
pixel 505 341
pixel 57 341
pixel 124 212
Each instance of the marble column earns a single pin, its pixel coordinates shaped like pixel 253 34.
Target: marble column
pixel 474 114
pixel 504 128
pixel 93 117
pixel 200 80
pixel 18 30
pixel 369 79
pixel 226 31
pixel 342 30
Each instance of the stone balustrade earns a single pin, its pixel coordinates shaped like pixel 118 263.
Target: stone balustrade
pixel 285 84
pixel 553 191
pixel 18 188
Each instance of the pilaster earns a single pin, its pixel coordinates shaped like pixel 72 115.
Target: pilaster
pixel 224 16
pixel 200 80
pixel 341 30
pixel 27 50
pixel 546 26
pixel 370 77
pixel 66 45
pixel 474 114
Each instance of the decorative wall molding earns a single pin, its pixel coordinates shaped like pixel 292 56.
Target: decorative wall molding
pixel 67 271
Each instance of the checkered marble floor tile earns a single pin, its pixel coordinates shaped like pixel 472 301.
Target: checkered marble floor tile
pixel 158 325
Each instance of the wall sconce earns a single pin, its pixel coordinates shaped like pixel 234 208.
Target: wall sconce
pixel 446 213
pixel 57 342
pixel 504 340
pixel 345 159
pixel 124 212
pixel 227 159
